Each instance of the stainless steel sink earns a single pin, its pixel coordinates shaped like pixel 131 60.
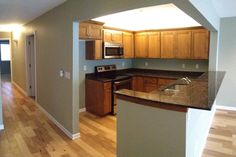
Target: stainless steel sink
pixel 175 86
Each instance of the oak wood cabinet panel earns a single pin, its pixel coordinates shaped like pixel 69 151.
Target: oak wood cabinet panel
pixel 200 44
pixel 183 44
pixel 167 44
pixel 165 81
pixel 90 31
pixel 141 45
pixel 93 49
pixel 137 83
pixel 154 45
pixel 150 84
pixel 112 36
pixel 128 43
pixel 98 97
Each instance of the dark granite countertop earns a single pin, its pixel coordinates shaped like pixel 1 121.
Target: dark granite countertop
pixel 200 93
pixel 148 73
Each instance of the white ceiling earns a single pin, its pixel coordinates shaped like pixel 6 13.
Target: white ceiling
pixel 23 11
pixel 225 8
pixel 155 17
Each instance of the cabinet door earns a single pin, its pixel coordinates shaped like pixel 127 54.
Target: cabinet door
pixel 128 42
pixel 83 30
pixel 183 44
pixel 107 96
pixel 200 42
pixel 167 44
pixel 117 37
pixel 141 44
pixel 164 82
pixel 93 49
pixel 154 45
pixel 137 83
pixel 95 31
pixel 107 36
pixel 150 84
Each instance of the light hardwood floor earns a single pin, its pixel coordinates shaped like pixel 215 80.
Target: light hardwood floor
pixel 28 132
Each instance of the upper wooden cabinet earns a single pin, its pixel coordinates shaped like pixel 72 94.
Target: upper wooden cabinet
pixel 112 36
pixel 183 44
pixel 89 30
pixel 141 45
pixel 200 44
pixel 93 49
pixel 128 43
pixel 168 44
pixel 154 45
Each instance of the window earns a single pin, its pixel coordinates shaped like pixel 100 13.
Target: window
pixel 5 52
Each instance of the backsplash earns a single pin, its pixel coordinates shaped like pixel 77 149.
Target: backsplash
pixel 171 64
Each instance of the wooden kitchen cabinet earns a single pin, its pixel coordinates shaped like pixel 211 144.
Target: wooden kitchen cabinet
pixel 90 30
pixel 141 45
pixel 137 83
pixel 93 49
pixel 154 45
pixel 150 84
pixel 164 81
pixel 168 44
pixel 98 97
pixel 112 36
pixel 128 43
pixel 200 44
pixel 183 44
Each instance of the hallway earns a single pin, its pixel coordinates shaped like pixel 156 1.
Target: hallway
pixel 28 132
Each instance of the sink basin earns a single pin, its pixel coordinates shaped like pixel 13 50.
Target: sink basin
pixel 176 86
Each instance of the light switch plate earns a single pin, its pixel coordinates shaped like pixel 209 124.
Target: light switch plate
pixel 67 75
pixel 61 73
pixel 85 67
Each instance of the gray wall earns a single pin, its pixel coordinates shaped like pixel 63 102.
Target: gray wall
pixel 227 62
pixel 90 69
pixel 171 64
pixel 1 116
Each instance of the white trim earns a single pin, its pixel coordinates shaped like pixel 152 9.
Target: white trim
pixel 19 88
pixel 68 133
pixel 1 127
pixel 82 110
pixel 226 108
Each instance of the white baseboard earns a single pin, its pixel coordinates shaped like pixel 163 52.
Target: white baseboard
pixel 1 127
pixel 226 108
pixel 82 110
pixel 68 133
pixel 19 88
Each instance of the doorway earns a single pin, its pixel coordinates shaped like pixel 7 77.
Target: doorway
pixel 5 60
pixel 31 65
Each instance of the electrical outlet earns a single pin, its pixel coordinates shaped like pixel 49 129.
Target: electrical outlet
pixel 67 75
pixel 183 66
pixel 146 64
pixel 123 64
pixel 197 66
pixel 85 67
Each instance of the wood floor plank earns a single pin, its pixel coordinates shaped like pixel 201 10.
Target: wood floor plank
pixel 28 132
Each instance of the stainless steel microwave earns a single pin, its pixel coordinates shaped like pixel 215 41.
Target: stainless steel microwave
pixel 113 50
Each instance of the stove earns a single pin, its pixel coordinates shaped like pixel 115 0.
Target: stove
pixel 119 81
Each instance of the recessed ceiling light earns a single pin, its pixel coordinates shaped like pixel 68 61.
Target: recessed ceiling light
pixel 155 17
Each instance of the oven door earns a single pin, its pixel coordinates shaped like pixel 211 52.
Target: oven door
pixel 117 85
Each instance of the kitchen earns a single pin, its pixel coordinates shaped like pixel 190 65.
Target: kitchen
pixel 152 58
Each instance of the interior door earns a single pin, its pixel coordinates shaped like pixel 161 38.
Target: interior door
pixel 31 65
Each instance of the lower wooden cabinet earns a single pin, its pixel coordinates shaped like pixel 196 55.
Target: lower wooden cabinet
pixel 98 97
pixel 149 84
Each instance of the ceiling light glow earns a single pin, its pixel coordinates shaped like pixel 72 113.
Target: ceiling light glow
pixel 156 17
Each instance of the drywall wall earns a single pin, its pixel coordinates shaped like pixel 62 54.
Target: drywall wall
pixel 1 109
pixel 226 62
pixel 90 64
pixel 55 51
pixel 171 64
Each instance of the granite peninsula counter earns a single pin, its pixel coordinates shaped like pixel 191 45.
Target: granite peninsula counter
pixel 167 123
